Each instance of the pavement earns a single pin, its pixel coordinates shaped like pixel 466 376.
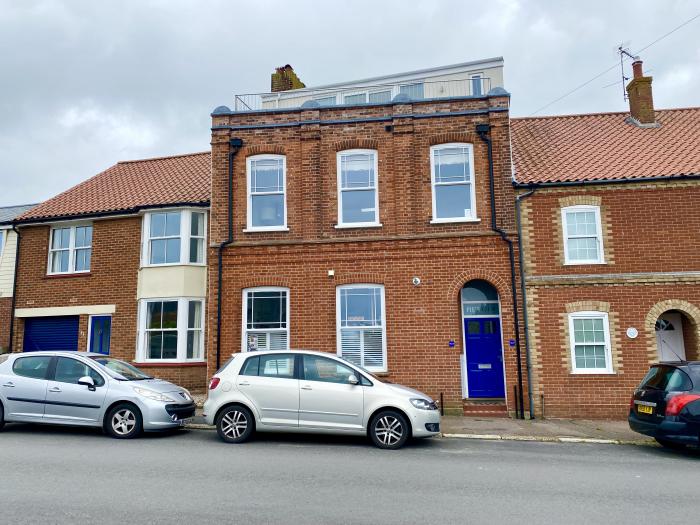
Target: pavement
pixel 63 475
pixel 562 430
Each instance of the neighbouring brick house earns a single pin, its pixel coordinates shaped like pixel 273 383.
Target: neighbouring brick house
pixel 611 237
pixel 8 250
pixel 117 264
pixel 357 218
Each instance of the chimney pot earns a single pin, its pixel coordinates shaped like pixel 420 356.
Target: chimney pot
pixel 637 68
pixel 284 78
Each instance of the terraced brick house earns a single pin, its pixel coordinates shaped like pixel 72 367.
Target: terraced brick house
pixel 372 219
pixel 611 236
pixel 8 254
pixel 117 265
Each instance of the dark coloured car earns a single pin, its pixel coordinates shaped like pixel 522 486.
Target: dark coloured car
pixel 666 405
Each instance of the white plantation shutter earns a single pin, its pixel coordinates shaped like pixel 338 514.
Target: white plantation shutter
pixel 351 345
pixel 258 340
pixel 373 348
pixel 278 341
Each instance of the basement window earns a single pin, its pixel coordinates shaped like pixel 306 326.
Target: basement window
pixel 583 237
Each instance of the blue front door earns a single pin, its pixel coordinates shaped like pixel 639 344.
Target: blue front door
pixel 100 333
pixel 484 357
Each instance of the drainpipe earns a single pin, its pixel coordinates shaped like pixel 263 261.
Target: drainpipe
pixel 14 289
pixel 483 131
pixel 523 292
pixel 235 145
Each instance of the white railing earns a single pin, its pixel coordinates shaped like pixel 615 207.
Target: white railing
pixel 368 94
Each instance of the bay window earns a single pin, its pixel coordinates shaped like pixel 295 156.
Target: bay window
pixel 265 319
pixel 452 176
pixel 70 249
pixel 174 237
pixel 361 327
pixel 171 330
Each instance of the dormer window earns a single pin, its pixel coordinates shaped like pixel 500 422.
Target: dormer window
pixel 174 237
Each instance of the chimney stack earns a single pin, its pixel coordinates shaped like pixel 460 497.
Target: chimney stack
pixel 284 78
pixel 640 96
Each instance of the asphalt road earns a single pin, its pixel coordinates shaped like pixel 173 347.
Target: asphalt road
pixel 52 475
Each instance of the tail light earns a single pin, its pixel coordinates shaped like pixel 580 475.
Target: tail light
pixel 632 403
pixel 214 383
pixel 675 404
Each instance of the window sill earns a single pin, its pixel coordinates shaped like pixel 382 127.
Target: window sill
pixel 583 263
pixel 451 221
pixel 169 265
pixel 593 372
pixel 67 275
pixel 358 225
pixel 168 364
pixel 257 230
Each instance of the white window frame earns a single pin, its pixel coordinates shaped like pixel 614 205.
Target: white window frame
pixel 599 234
pixel 244 316
pixel 339 328
pixel 572 342
pixel 71 247
pixel 249 161
pixel 472 182
pixel 182 330
pixel 185 236
pixel 339 170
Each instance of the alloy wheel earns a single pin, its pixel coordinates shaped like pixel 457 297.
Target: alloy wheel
pixel 123 421
pixel 234 424
pixel 388 430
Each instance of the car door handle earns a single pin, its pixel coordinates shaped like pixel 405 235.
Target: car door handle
pixel 243 383
pixel 306 387
pixel 54 389
pixel 9 384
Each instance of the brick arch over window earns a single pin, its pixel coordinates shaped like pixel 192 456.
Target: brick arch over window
pixel 690 311
pixel 360 277
pixel 445 138
pixel 263 149
pixel 269 282
pixel 342 145
pixel 495 280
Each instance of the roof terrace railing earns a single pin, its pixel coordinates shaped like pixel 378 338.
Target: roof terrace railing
pixel 475 86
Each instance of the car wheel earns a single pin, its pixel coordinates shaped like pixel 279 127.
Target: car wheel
pixel 670 444
pixel 235 424
pixel 124 422
pixel 389 429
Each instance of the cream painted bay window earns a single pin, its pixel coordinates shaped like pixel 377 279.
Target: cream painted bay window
pixel 174 237
pixel 171 330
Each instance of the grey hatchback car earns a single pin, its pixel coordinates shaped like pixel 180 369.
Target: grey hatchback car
pixel 88 389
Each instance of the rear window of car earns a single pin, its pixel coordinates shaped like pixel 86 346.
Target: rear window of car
pixel 34 367
pixel 250 367
pixel 668 379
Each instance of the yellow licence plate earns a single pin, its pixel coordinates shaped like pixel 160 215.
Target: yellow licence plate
pixel 643 409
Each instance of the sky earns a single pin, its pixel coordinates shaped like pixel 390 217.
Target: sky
pixel 84 84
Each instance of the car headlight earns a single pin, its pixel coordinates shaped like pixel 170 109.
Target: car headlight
pixel 155 396
pixel 423 404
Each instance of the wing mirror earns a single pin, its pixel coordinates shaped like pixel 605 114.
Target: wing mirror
pixel 88 382
pixel 352 379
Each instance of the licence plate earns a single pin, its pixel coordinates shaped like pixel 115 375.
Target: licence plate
pixel 643 409
pixel 184 422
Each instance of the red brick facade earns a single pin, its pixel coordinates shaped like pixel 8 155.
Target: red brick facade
pixel 112 280
pixel 650 239
pixel 420 320
pixel 5 316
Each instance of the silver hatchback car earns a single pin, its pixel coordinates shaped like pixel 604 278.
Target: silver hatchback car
pixel 88 389
pixel 303 391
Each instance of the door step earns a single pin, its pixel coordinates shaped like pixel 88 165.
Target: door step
pixel 485 407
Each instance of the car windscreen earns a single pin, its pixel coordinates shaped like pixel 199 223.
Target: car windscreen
pixel 121 370
pixel 667 378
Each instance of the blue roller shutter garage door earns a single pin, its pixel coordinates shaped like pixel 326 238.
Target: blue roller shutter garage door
pixel 51 333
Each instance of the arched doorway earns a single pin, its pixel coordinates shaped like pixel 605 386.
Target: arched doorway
pixel 482 366
pixel 675 336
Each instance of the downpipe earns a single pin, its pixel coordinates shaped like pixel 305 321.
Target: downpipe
pixel 483 131
pixel 13 303
pixel 235 145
